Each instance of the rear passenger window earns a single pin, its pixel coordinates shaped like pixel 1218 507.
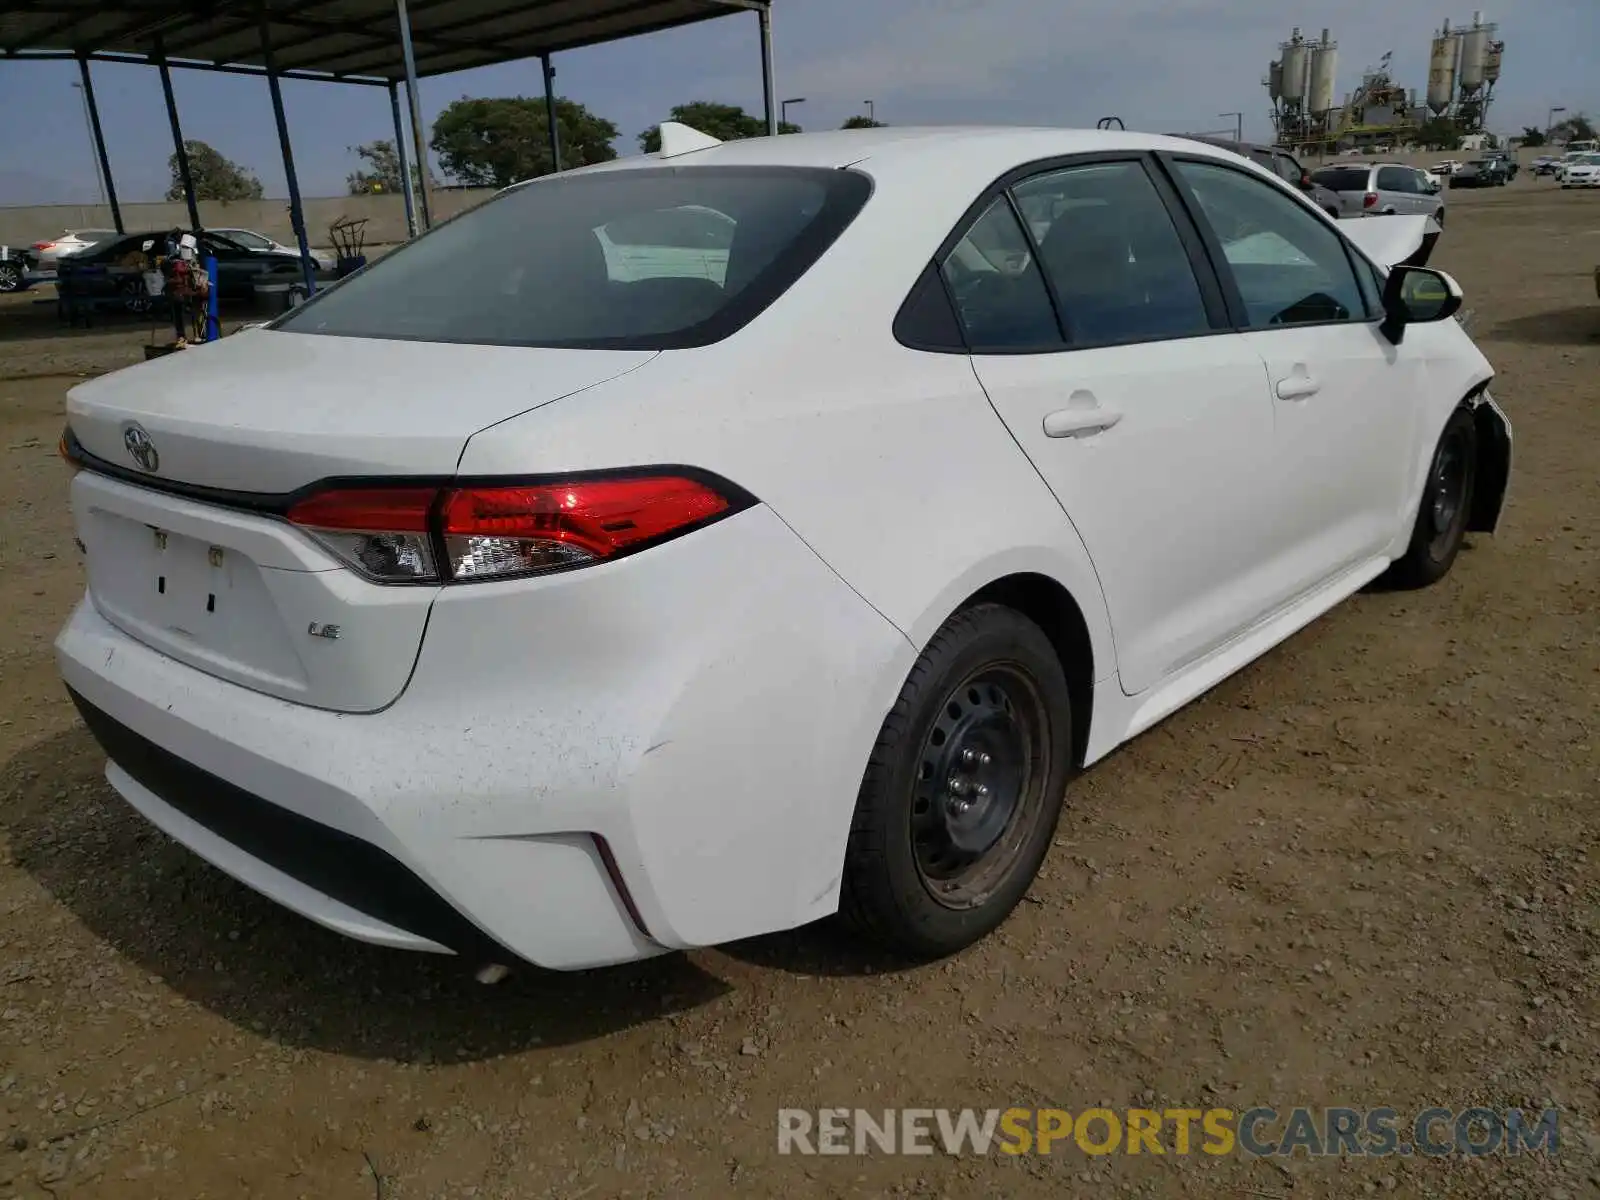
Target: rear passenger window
pixel 1112 254
pixel 1290 266
pixel 1396 179
pixel 1000 296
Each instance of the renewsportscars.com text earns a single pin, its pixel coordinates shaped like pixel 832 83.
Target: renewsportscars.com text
pixel 1257 1132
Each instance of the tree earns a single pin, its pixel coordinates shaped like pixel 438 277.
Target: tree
pixel 1532 136
pixel 381 170
pixel 1576 128
pixel 864 123
pixel 497 141
pixel 214 177
pixel 726 122
pixel 1439 133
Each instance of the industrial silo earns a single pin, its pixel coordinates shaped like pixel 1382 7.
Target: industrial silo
pixel 1324 70
pixel 1491 63
pixel 1442 71
pixel 1296 58
pixel 1275 81
pixel 1474 55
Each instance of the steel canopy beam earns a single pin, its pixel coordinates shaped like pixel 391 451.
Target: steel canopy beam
pixel 407 184
pixel 769 91
pixel 100 144
pixel 417 137
pixel 179 150
pixel 150 60
pixel 297 216
pixel 554 129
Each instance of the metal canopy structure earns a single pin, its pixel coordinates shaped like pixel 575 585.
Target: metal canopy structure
pixel 379 43
pixel 354 41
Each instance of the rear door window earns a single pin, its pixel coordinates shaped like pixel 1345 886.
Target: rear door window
pixel 1000 296
pixel 1397 179
pixel 1110 250
pixel 639 259
pixel 1342 179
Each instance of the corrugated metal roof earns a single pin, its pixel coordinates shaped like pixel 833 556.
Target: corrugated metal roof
pixel 347 39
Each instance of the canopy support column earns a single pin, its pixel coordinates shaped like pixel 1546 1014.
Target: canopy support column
pixel 550 111
pixel 297 216
pixel 425 191
pixel 100 143
pixel 184 177
pixel 407 184
pixel 769 91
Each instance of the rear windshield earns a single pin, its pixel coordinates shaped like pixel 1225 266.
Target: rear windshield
pixel 649 258
pixel 1342 179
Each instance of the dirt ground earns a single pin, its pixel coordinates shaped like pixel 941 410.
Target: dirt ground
pixel 1362 872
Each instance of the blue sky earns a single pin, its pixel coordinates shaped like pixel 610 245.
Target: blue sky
pixel 1159 64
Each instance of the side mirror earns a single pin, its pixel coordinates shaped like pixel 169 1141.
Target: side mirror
pixel 1417 296
pixel 1305 181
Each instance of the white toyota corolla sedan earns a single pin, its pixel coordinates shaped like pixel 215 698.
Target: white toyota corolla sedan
pixel 701 544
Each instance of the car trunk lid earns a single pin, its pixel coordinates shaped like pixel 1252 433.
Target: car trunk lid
pixel 187 550
pixel 269 412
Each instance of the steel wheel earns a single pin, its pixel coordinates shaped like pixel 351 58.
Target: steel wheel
pixel 978 793
pixel 1445 503
pixel 963 790
pixel 1442 516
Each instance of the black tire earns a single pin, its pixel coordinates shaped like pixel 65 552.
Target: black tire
pixel 1438 218
pixel 1441 523
pixel 10 276
pixel 964 787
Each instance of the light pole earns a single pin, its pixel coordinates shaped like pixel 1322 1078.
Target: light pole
pixel 1238 124
pixel 1550 120
pixel 872 114
pixel 88 121
pixel 784 108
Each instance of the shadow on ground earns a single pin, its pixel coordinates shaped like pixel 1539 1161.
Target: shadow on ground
pixel 223 946
pixel 1565 327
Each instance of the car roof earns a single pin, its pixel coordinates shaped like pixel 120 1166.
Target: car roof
pixel 968 156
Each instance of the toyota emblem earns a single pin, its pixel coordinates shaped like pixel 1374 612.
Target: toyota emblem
pixel 140 448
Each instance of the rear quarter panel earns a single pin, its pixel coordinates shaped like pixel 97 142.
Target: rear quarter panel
pixel 889 462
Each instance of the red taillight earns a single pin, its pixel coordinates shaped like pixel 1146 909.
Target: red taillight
pixel 1370 200
pixel 391 510
pixel 497 532
pixel 43 245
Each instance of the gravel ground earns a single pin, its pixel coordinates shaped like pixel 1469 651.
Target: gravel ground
pixel 1361 872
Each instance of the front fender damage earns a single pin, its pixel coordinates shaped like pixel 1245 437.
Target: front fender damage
pixel 1494 463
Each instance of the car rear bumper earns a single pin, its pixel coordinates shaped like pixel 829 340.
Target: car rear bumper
pixel 586 768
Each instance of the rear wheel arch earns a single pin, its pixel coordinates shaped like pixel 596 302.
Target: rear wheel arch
pixel 1049 605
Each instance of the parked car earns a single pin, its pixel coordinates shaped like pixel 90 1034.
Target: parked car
pixel 1448 167
pixel 1545 164
pixel 1480 173
pixel 1565 161
pixel 18 268
pixel 94 272
pixel 73 241
pixel 488 602
pixel 262 244
pixel 1381 189
pixel 1582 172
pixel 1508 165
pixel 1286 167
